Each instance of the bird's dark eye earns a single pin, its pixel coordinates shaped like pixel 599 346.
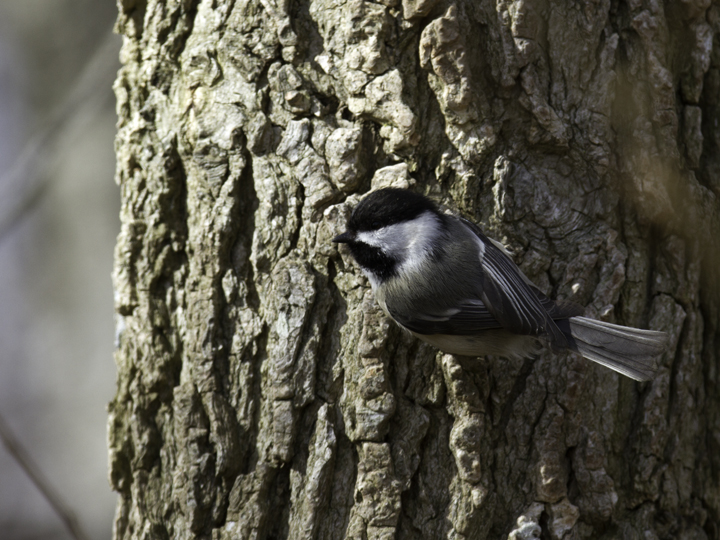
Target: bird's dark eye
pixel 375 225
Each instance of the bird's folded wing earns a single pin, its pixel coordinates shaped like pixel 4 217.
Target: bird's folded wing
pixel 468 318
pixel 509 296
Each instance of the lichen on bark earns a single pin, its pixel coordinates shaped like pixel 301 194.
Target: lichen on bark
pixel 263 394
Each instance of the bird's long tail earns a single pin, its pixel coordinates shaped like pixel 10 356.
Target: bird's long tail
pixel 630 351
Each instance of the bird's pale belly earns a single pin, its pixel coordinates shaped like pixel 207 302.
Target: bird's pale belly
pixel 494 342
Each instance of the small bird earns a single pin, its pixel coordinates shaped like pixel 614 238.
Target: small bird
pixel 439 277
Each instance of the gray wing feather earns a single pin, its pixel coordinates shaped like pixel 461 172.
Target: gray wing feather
pixel 466 320
pixel 510 298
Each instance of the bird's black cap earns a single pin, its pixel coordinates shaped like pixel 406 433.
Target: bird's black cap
pixel 385 207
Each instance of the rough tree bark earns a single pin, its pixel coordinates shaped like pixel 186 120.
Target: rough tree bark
pixel 262 394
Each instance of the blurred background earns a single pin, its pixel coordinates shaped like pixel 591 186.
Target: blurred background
pixel 58 222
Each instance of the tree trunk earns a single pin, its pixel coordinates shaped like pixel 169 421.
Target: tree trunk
pixel 263 394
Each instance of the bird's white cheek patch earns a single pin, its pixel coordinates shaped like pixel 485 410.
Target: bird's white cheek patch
pixel 371 238
pixel 406 239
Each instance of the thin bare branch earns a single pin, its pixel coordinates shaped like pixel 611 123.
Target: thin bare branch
pixel 24 183
pixel 22 457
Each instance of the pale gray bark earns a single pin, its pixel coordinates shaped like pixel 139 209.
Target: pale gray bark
pixel 262 393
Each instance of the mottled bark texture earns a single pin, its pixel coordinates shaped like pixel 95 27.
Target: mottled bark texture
pixel 262 394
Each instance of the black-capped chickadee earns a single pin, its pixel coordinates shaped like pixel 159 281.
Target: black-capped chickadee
pixel 441 278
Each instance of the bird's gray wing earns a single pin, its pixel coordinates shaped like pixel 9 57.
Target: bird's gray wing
pixel 471 316
pixel 510 297
pixel 467 318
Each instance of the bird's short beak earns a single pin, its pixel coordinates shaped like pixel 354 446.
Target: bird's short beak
pixel 344 238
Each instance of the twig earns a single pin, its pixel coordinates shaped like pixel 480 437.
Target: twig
pixel 23 459
pixel 25 181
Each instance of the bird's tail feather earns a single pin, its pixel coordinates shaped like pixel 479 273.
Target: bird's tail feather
pixel 630 351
